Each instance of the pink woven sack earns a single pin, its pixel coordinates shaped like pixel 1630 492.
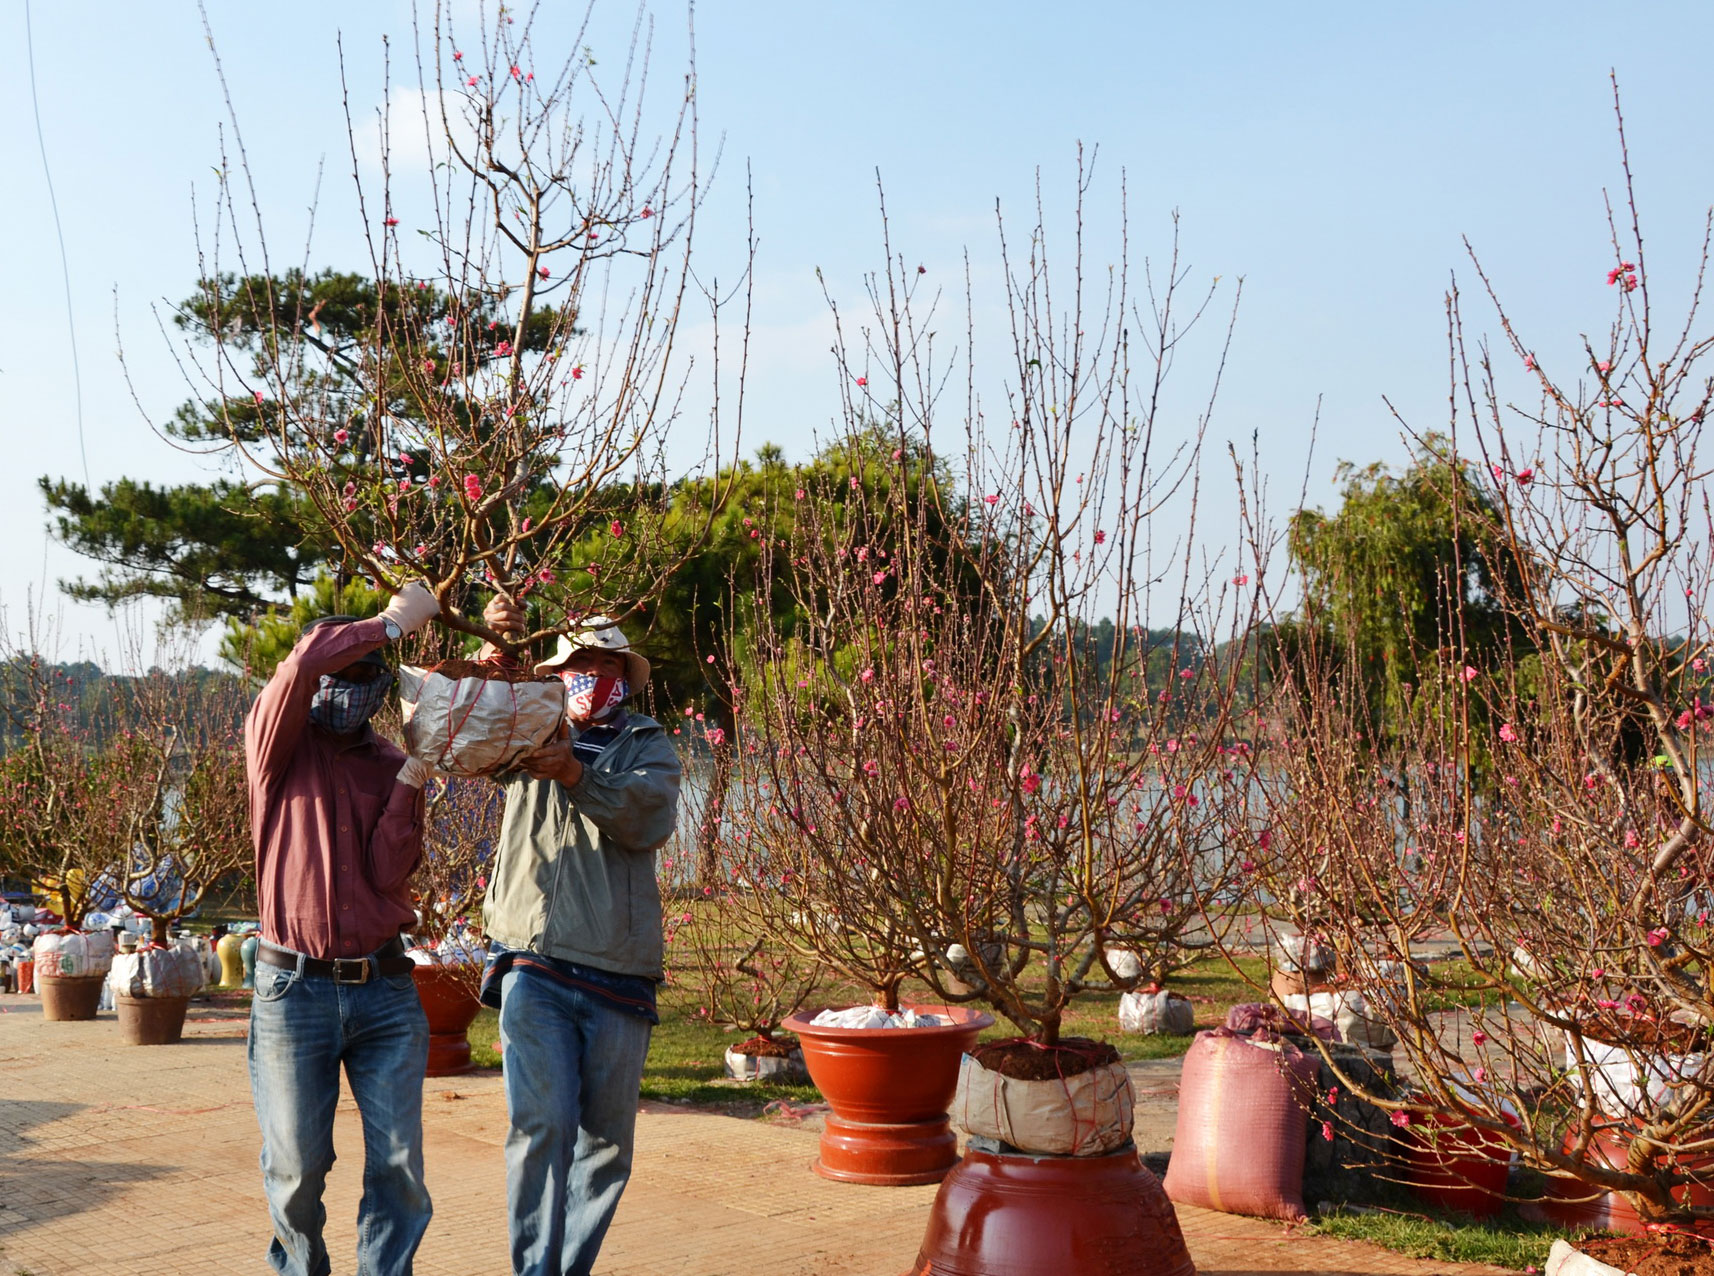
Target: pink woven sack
pixel 1241 1120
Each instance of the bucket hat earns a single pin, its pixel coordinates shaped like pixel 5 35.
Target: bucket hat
pixel 599 633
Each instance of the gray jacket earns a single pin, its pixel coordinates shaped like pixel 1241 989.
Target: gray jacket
pixel 574 872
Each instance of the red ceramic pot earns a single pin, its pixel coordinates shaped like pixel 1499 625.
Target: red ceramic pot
pixel 1613 1211
pixel 449 1001
pixel 889 1089
pixel 1459 1168
pixel 1021 1215
pixel 26 970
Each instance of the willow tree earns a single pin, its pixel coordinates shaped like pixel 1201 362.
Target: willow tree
pixel 1402 582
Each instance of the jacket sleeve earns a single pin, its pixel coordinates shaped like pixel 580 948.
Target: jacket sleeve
pixel 281 712
pixel 396 845
pixel 635 808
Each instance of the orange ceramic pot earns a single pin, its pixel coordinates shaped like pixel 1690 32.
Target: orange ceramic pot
pixel 889 1089
pixel 450 1003
pixel 1022 1215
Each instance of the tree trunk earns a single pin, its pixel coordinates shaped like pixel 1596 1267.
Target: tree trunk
pixel 708 832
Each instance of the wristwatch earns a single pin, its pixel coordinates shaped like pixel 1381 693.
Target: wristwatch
pixel 394 633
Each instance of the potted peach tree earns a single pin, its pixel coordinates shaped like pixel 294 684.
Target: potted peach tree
pixel 1554 837
pixel 448 948
pixel 58 821
pixel 991 750
pixel 177 764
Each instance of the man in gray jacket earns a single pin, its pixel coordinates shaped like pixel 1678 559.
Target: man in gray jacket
pixel 575 918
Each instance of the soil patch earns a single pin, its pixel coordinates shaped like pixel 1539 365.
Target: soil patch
pixel 1662 1254
pixel 1025 1060
pixel 489 672
pixel 767 1047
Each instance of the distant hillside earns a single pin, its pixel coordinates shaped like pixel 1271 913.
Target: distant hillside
pixel 92 702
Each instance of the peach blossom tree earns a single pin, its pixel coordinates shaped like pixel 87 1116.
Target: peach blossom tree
pixel 1561 854
pixel 994 744
pixel 497 385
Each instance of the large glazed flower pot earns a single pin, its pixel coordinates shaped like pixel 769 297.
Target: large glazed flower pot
pixel 450 1003
pixel 1021 1215
pixel 151 1021
pixel 1456 1167
pixel 247 954
pixel 70 996
pixel 1613 1211
pixel 889 1089
pixel 230 951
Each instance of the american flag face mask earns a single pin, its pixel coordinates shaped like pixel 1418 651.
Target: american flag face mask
pixel 589 697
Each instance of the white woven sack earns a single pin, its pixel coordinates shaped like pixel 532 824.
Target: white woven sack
pixel 785 1069
pixel 1086 1115
pixel 99 947
pixel 170 972
pixel 1634 1083
pixel 1155 1013
pixel 1125 963
pixel 1349 1013
pixel 126 976
pixel 75 955
pixel 46 954
pixel 476 726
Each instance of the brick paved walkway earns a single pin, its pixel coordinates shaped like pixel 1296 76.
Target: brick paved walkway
pixel 143 1159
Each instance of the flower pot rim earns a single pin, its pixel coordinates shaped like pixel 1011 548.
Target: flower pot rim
pixel 964 1020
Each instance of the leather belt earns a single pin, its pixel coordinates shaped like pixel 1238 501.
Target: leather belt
pixel 389 959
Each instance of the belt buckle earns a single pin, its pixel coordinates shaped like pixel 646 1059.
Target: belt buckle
pixel 341 964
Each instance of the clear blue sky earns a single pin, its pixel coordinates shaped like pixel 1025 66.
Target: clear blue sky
pixel 1333 155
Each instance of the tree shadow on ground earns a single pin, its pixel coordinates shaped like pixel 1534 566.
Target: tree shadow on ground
pixel 37 1189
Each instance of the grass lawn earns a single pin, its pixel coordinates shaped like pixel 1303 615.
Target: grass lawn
pixel 686 1064
pixel 686 1061
pixel 1504 1241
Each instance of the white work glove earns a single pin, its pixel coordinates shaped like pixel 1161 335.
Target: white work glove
pixel 411 608
pixel 415 773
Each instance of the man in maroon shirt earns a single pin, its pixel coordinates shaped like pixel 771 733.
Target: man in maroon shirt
pixel 336 816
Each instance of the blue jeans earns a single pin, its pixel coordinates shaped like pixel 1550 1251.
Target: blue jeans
pixel 302 1027
pixel 574 1064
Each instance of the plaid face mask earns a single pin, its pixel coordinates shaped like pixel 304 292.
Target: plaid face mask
pixel 589 698
pixel 344 707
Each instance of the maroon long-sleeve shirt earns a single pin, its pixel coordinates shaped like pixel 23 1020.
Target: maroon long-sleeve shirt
pixel 336 836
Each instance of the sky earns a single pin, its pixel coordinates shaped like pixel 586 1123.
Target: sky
pixel 1335 157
